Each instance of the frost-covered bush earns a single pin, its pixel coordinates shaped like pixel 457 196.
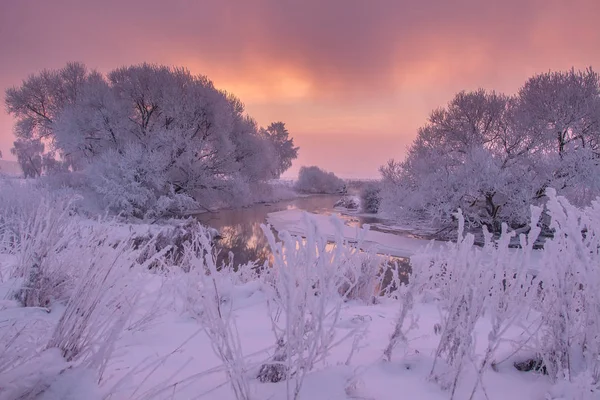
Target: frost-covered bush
pixel 315 180
pixel 101 298
pixel 363 275
pixel 59 259
pixel 348 202
pixel 44 256
pixel 370 198
pixel 463 282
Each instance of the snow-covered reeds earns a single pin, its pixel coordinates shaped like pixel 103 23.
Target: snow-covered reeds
pixel 569 304
pixel 59 260
pixel 405 293
pixel 44 253
pixel 207 288
pixel 99 307
pixel 308 284
pixel 19 200
pixel 550 295
pixel 469 282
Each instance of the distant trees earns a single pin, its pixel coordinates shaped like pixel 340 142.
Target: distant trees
pixel 284 149
pixel 315 180
pixel 494 155
pixel 370 198
pixel 145 135
pixel 36 105
pixel 29 156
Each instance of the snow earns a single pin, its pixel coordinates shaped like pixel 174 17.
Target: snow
pixel 164 352
pixel 171 346
pixel 368 377
pixel 383 243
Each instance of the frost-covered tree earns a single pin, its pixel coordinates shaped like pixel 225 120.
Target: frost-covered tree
pixel 199 141
pixel 561 112
pixel 29 156
pixel 315 180
pixel 562 108
pixel 283 145
pixel 36 105
pixel 493 156
pixel 465 157
pixel 370 198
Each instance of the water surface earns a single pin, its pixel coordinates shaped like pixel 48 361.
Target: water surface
pixel 240 227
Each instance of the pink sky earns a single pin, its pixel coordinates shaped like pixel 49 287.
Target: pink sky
pixel 352 79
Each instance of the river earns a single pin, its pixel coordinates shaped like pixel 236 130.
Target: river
pixel 240 227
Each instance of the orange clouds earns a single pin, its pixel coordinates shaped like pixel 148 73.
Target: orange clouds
pixel 260 86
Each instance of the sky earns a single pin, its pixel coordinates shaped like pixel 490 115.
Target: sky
pixel 352 79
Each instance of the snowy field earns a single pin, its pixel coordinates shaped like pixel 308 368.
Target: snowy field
pixel 173 355
pixel 100 309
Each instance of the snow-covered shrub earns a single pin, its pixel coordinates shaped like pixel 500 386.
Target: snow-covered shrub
pixel 101 297
pixel 405 291
pixel 59 258
pixel 173 204
pixel 168 245
pixel 513 286
pixel 308 283
pixel 46 240
pixel 348 202
pixel 370 198
pixel 315 180
pixel 463 286
pixel 470 281
pixel 362 274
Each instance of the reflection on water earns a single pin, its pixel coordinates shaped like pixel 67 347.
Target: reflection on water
pixel 241 232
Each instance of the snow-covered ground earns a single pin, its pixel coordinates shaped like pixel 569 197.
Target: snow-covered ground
pixel 366 377
pixel 170 353
pixel 95 309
